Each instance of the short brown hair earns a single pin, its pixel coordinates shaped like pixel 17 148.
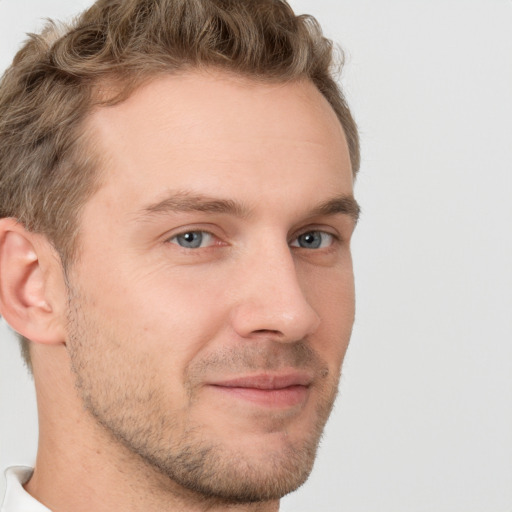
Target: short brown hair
pixel 46 171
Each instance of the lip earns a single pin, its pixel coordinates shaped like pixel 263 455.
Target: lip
pixel 267 381
pixel 269 389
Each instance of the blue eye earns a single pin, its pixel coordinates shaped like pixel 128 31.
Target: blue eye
pixel 192 239
pixel 313 240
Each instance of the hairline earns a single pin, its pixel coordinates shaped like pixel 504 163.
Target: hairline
pixel 113 91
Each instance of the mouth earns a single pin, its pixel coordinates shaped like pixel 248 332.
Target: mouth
pixel 268 390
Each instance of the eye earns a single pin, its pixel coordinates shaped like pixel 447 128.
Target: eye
pixel 313 240
pixel 193 239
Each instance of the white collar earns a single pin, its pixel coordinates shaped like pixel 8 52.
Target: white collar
pixel 16 498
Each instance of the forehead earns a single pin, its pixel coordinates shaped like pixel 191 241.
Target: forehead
pixel 201 129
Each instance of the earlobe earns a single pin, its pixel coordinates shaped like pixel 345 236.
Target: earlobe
pixel 24 299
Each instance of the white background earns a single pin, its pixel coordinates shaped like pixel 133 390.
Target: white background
pixel 424 419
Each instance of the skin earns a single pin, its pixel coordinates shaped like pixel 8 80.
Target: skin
pixel 175 377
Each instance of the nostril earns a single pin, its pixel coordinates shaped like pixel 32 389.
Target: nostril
pixel 267 332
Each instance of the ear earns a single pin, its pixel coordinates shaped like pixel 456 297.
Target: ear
pixel 31 284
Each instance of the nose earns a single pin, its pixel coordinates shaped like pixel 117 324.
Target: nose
pixel 270 300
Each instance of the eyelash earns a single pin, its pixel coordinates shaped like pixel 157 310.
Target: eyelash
pixel 192 232
pixel 332 239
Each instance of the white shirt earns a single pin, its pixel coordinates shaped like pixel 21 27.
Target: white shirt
pixel 16 498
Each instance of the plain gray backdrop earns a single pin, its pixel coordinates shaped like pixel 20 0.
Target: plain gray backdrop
pixel 424 418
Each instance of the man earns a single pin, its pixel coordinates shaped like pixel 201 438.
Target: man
pixel 177 206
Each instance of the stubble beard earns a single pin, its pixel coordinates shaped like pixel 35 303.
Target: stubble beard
pixel 125 400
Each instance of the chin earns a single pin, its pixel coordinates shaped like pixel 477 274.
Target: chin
pixel 233 476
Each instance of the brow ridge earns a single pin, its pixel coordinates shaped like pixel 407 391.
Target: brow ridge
pixel 345 204
pixel 189 202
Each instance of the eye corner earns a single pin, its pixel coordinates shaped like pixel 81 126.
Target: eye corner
pixel 314 239
pixel 192 239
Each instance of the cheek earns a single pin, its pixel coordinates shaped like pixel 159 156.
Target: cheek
pixel 330 290
pixel 173 313
pixel 331 294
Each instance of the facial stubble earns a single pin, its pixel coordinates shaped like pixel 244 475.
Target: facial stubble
pixel 126 401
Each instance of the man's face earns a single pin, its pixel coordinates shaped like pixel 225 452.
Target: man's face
pixel 212 303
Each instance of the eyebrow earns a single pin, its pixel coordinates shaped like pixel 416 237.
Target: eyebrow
pixel 346 205
pixel 189 202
